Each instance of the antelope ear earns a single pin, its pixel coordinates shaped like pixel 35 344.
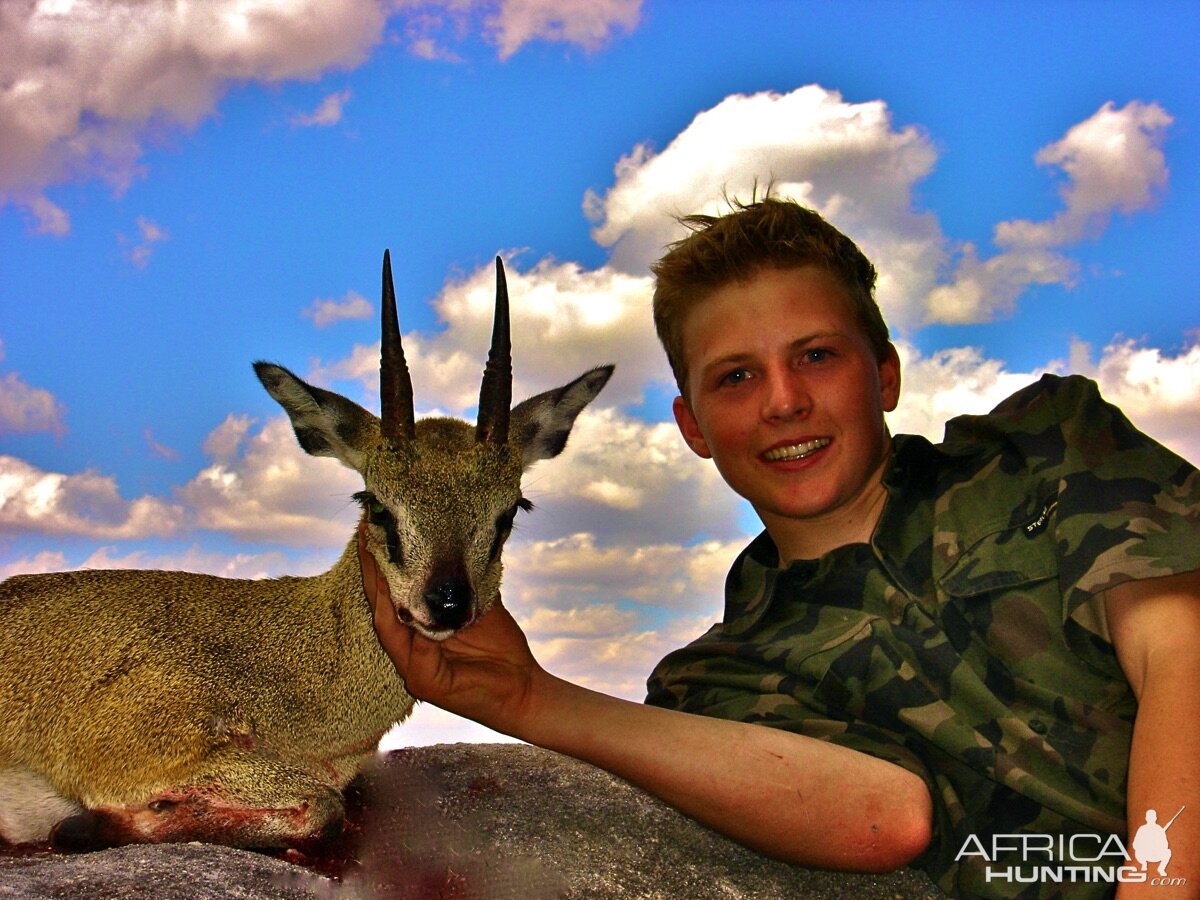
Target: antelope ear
pixel 326 424
pixel 542 424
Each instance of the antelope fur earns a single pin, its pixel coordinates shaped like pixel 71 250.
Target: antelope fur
pixel 172 706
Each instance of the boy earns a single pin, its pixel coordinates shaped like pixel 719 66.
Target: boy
pixel 945 642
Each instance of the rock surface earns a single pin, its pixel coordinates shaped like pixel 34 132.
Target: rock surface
pixel 476 821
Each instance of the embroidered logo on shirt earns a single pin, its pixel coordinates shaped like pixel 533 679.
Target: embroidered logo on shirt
pixel 1038 525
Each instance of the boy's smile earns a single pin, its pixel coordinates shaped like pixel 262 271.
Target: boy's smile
pixel 785 395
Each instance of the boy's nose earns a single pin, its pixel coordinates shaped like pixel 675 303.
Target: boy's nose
pixel 785 397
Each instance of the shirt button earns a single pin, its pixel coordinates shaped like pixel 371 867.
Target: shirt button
pixel 1038 726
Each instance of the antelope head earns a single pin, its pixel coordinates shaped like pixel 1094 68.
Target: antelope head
pixel 440 494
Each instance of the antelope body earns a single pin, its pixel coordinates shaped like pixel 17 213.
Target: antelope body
pixel 170 706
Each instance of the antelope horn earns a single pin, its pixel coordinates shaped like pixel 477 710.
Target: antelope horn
pixel 398 422
pixel 495 393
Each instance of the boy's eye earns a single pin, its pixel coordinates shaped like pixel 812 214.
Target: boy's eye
pixel 737 376
pixel 817 355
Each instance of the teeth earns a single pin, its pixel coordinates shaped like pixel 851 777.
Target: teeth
pixel 796 451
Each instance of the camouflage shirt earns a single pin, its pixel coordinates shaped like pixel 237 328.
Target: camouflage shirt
pixel 967 642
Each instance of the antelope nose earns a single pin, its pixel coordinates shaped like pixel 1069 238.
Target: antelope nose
pixel 449 602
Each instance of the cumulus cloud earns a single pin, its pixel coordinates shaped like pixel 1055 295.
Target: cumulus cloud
pixel 1112 162
pixel 45 561
pixel 515 23
pixel 194 559
pixel 327 113
pixel 86 504
pixel 1158 391
pixel 260 486
pixel 325 312
pixel 622 476
pixel 853 164
pixel 952 382
pixel 565 320
pixel 616 663
pixel 25 409
pixel 511 24
pixel 846 160
pixel 563 575
pixel 84 84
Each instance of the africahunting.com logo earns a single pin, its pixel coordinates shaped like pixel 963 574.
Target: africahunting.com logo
pixel 1077 858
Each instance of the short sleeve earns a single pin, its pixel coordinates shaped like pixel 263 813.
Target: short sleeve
pixel 1120 506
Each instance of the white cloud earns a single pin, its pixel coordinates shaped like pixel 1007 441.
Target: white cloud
pixel 952 382
pixel 262 487
pixel 429 725
pixel 1113 162
pixel 325 312
pixel 620 476
pixel 84 83
pixel 327 113
pixel 1160 393
pixel 224 441
pixel 25 409
pixel 44 561
pixel 849 162
pixel 618 664
pixel 982 290
pixel 511 24
pixel 602 620
pixel 565 320
pixel 48 218
pixel 88 504
pixel 194 559
pixel 590 25
pixel 138 250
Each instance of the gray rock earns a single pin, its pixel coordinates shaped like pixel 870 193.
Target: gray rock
pixel 472 821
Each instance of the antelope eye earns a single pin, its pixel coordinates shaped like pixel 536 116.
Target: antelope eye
pixel 378 514
pixel 504 525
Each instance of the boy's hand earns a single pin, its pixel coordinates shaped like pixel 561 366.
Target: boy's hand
pixel 484 672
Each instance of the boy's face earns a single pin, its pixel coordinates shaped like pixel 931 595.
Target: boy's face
pixel 785 395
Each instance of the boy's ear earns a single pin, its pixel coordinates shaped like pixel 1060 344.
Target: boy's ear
pixel 690 428
pixel 889 379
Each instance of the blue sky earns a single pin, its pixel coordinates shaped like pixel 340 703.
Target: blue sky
pixel 1024 174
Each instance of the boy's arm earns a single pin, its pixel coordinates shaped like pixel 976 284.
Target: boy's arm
pixel 796 798
pixel 1155 628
